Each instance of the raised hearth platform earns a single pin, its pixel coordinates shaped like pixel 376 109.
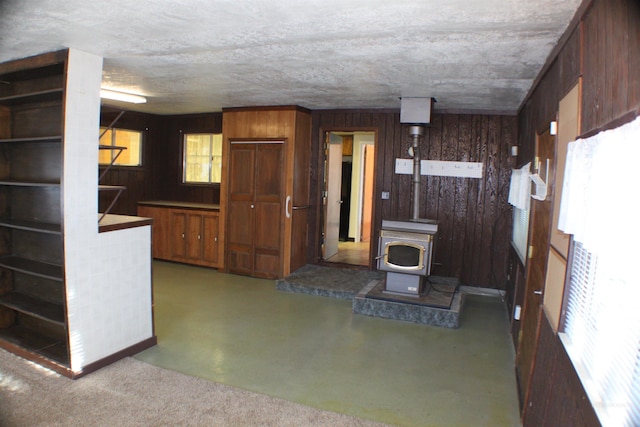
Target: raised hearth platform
pixel 440 305
pixel 331 282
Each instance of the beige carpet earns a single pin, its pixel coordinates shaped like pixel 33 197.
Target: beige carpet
pixel 133 393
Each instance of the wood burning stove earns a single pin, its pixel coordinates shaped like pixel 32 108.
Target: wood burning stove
pixel 405 251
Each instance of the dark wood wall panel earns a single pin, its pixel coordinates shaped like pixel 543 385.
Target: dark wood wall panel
pixel 168 159
pixel 603 49
pixel 556 397
pixel 474 216
pixel 542 105
pixel 137 179
pixel 610 59
pixel 611 62
pixel 160 176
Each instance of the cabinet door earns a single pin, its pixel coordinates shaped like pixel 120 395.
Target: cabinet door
pixel 194 236
pixel 210 239
pixel 162 230
pixel 179 234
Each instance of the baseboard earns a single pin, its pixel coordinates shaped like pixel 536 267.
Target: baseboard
pixel 129 351
pixel 475 290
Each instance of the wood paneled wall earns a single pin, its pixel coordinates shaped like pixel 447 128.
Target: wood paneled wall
pixel 557 397
pixel 475 219
pixel 167 159
pixel 160 177
pixel 604 48
pixel 136 179
pixel 611 62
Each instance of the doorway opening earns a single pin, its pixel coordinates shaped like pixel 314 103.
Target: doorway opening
pixel 348 197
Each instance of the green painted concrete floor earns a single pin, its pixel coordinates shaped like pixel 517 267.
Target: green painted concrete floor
pixel 313 350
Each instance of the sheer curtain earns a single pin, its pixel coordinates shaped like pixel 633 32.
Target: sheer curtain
pixel 600 207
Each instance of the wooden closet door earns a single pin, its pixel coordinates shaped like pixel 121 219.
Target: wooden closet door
pixel 254 220
pixel 241 208
pixel 269 219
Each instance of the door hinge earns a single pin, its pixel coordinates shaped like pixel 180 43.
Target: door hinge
pixel 530 253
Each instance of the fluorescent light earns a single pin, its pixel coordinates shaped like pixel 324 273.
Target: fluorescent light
pixel 121 96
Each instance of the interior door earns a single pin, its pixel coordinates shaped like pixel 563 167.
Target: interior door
pixel 539 236
pixel 367 192
pixel 269 211
pixel 255 216
pixel 240 217
pixel 332 200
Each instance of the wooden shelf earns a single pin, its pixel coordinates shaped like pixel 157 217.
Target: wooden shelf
pixel 40 227
pixel 30 183
pixel 111 187
pixel 43 310
pixel 34 342
pixel 34 268
pixel 38 96
pixel 112 222
pixel 111 147
pixel 53 138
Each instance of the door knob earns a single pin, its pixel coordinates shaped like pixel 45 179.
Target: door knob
pixel 252 206
pixel 538 292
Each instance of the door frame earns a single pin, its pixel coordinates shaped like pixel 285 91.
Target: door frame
pixel 375 212
pixel 540 224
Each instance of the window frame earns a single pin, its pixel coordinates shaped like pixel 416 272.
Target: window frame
pixel 183 177
pixel 142 134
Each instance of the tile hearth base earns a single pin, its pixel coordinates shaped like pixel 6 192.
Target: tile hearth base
pixel 416 313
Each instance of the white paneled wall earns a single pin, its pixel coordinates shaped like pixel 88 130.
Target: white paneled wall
pixel 108 275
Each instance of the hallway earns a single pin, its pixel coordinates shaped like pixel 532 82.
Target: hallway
pixel 313 350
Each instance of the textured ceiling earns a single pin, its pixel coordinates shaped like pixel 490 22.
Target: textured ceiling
pixel 190 56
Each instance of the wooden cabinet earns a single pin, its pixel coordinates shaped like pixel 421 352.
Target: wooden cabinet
pixel 265 190
pixel 184 232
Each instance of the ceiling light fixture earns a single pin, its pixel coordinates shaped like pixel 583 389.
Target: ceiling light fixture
pixel 122 96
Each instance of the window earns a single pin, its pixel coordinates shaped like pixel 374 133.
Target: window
pixel 202 158
pixel 130 139
pixel 602 322
pixel 520 232
pixel 519 191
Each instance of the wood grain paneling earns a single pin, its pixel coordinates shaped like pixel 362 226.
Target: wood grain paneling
pixel 469 210
pixel 611 62
pixel 603 47
pixel 160 176
pixel 557 397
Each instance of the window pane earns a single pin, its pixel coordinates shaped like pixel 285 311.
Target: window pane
pixel 520 231
pixel 130 139
pixel 202 158
pixel 216 158
pixel 105 155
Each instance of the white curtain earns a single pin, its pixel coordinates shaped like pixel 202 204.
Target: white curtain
pixel 600 206
pixel 600 197
pixel 520 187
